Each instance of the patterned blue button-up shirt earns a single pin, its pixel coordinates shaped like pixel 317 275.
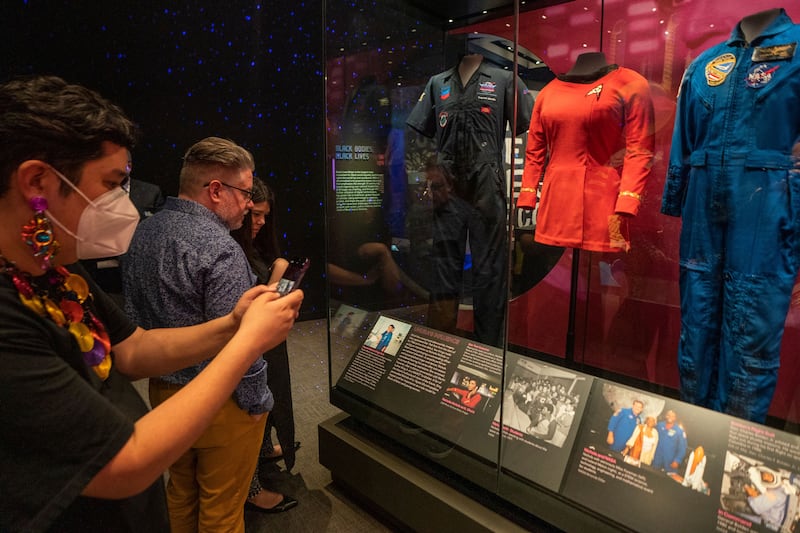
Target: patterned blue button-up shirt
pixel 184 268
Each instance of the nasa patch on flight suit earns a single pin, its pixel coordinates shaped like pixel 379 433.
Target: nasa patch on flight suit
pixel 774 53
pixel 718 69
pixel 760 74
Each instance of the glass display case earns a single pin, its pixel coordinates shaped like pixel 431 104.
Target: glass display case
pixel 506 272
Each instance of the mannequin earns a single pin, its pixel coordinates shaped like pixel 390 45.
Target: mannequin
pixel 589 65
pixel 753 25
pixel 466 110
pixel 739 251
pixel 468 66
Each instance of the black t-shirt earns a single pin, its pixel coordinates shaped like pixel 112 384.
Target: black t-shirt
pixel 61 425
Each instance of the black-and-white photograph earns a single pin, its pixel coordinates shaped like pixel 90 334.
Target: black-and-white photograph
pixel 542 408
pixel 541 400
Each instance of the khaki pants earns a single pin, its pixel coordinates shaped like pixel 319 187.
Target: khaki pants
pixel 208 484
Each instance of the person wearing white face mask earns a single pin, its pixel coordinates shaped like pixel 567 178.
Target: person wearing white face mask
pixel 79 450
pixel 106 225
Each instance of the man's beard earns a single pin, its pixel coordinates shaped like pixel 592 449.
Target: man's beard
pixel 231 216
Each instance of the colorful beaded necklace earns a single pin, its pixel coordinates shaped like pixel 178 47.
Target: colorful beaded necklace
pixel 64 298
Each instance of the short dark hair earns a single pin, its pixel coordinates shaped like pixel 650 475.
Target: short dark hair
pixel 204 159
pixel 63 124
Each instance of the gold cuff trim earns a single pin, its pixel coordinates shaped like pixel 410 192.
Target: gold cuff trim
pixel 527 189
pixel 631 194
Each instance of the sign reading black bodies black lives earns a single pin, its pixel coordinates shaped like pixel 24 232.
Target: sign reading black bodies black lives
pixel 358 152
pixel 358 177
pixel 656 464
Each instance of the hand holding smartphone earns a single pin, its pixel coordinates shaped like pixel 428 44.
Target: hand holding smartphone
pixel 293 276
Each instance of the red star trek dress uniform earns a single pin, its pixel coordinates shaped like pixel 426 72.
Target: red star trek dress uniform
pixel 592 142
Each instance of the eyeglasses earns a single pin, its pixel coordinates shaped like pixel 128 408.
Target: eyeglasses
pixel 248 194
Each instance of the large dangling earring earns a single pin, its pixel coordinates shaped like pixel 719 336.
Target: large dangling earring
pixel 38 233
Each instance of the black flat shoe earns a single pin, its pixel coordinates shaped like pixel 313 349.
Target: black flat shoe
pixel 284 505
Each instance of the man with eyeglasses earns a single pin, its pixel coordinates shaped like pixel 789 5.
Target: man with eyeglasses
pixel 184 268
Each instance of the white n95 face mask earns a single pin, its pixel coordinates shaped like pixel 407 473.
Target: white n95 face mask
pixel 106 226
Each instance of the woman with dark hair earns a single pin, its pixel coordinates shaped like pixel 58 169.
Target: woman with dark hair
pixel 258 235
pixel 259 239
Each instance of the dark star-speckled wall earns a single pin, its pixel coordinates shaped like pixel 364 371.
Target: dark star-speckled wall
pixel 246 70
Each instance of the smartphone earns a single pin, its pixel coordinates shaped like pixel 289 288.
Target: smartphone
pixel 294 275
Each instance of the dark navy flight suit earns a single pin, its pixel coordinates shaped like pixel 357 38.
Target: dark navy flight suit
pixel 733 180
pixel 468 124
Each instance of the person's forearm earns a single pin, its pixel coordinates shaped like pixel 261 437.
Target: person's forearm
pixel 156 352
pixel 341 276
pixel 165 350
pixel 161 436
pixel 279 266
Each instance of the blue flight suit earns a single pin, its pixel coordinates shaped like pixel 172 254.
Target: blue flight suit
pixel 732 178
pixel 622 423
pixel 386 338
pixel 671 447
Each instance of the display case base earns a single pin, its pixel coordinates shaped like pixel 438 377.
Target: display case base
pixel 403 493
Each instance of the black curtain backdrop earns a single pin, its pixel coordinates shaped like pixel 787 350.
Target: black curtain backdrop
pixel 245 70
